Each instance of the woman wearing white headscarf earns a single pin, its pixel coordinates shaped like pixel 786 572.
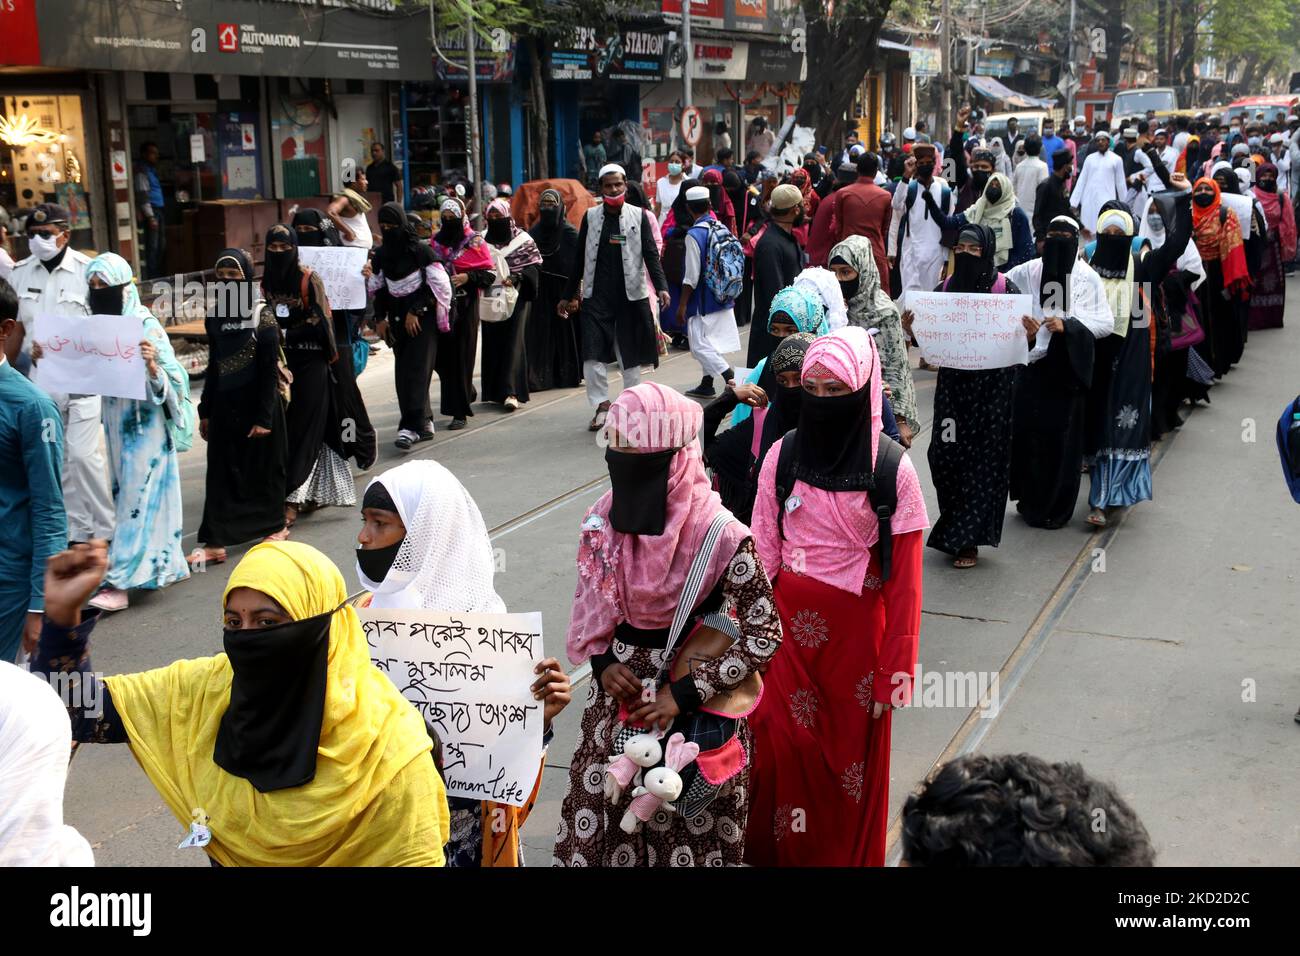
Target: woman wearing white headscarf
pixel 35 747
pixel 424 545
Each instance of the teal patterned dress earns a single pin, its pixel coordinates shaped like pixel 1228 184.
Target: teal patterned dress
pixel 146 551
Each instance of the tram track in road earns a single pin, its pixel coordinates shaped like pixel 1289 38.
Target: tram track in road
pixel 975 728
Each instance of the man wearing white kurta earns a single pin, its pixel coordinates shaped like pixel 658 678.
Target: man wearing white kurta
pixel 1100 180
pixel 918 242
pixel 710 323
pixel 52 281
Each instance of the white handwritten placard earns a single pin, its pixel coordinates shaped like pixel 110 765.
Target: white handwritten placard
pixel 90 355
pixel 339 267
pixel 969 330
pixel 469 676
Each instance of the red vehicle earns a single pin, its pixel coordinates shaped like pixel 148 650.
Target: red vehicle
pixel 1270 105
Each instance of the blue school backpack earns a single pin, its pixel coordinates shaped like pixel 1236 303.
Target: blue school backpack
pixel 1288 446
pixel 724 264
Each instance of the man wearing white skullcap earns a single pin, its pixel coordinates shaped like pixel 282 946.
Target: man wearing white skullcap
pixel 710 321
pixel 1100 180
pixel 619 249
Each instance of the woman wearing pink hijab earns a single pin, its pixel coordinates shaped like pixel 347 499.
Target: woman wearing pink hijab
pixel 821 769
pixel 637 547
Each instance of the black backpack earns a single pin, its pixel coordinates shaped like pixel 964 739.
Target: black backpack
pixel 883 491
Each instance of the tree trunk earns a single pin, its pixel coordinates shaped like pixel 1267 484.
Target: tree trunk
pixel 1247 82
pixel 541 164
pixel 1185 56
pixel 1162 44
pixel 1114 42
pixel 840 51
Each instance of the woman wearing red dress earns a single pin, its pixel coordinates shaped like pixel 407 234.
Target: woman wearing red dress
pixel 820 784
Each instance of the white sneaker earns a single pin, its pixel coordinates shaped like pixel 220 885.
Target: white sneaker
pixel 406 438
pixel 511 403
pixel 110 599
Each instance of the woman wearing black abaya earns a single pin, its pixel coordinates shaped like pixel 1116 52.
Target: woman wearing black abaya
pixel 318 475
pixel 241 416
pixel 746 206
pixel 412 303
pixel 1071 312
pixel 505 357
pixel 551 341
pixel 970 456
pixel 360 441
pixel 465 256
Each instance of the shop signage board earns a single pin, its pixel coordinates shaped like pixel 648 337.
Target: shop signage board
pixel 743 16
pixel 494 57
pixel 774 63
pixel 629 55
pixel 718 60
pixel 310 38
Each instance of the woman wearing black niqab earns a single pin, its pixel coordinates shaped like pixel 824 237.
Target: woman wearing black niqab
pixel 970 456
pixel 241 416
pixel 407 280
pixel 318 474
pixel 554 357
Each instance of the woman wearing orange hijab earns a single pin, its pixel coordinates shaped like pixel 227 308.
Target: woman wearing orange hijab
pixel 1217 235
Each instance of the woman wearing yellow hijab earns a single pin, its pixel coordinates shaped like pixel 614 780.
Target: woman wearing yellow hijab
pixel 291 748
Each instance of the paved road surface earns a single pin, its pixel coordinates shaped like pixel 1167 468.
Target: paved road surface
pixel 1172 672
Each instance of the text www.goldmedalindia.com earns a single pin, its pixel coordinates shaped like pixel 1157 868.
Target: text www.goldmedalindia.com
pixel 78 909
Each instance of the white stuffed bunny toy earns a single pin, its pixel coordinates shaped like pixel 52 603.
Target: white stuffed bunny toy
pixel 639 752
pixel 663 784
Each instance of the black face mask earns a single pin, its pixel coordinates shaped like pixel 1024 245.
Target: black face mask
pixel 789 402
pixel 849 287
pixel 498 231
pixel 1059 254
pixel 967 271
pixel 550 216
pixel 392 238
pixel 231 298
pixel 812 169
pixel 980 179
pixel 993 193
pixel 834 440
pixel 1112 255
pixel 451 231
pixel 310 237
pixel 1204 200
pixel 280 266
pixel 106 301
pixel 924 170
pixel 270 731
pixel 375 563
pixel 1268 185
pixel 640 486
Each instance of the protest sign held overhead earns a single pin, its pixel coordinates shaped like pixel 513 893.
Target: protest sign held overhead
pixel 469 676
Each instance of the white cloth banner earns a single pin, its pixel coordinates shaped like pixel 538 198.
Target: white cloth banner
pixel 90 355
pixel 469 676
pixel 339 267
pixel 969 330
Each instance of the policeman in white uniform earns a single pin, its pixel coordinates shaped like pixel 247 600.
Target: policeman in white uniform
pixel 52 281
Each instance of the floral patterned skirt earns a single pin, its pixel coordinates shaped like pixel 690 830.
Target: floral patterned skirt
pixel 589 833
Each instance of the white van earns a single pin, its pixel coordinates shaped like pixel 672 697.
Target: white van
pixel 1029 121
